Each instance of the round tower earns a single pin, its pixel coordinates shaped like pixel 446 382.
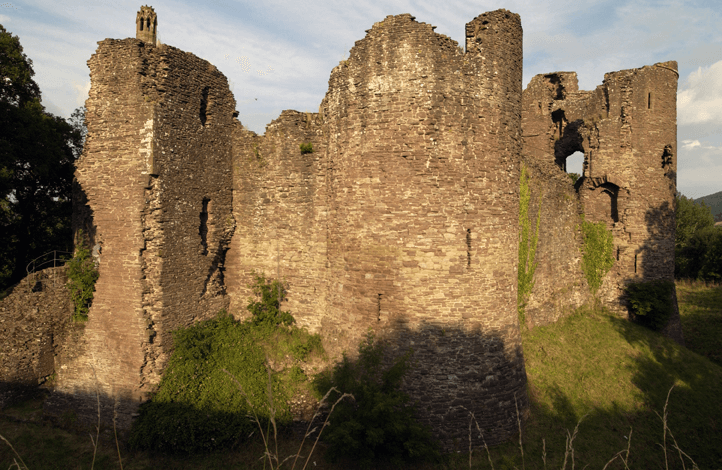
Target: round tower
pixel 146 25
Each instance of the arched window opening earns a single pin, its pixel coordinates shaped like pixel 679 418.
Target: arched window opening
pixel 142 22
pixel 574 165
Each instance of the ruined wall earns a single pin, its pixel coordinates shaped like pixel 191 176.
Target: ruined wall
pixel 627 131
pixel 36 329
pixel 155 177
pixel 279 204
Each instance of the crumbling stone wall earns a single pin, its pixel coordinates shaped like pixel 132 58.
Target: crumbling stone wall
pixel 279 204
pixel 36 330
pixel 626 129
pixel 155 179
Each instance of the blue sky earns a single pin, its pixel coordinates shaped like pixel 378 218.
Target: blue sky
pixel 279 54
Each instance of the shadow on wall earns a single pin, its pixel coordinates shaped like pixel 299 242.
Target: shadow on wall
pixel 453 373
pixel 654 259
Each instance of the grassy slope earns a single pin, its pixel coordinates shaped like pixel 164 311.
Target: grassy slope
pixel 593 364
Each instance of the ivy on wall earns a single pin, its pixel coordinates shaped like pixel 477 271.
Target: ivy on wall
pixel 597 253
pixel 527 244
pixel 82 275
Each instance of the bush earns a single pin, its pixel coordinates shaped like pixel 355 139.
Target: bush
pixel 198 407
pixel 267 310
pixel 306 148
pixel 82 276
pixel 598 253
pixel 380 424
pixel 651 302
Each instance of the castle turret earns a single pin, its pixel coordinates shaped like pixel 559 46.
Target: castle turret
pixel 146 25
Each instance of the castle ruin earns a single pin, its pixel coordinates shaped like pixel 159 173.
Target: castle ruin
pixel 404 219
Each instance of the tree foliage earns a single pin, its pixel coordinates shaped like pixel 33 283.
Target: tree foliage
pixel 37 154
pixel 698 243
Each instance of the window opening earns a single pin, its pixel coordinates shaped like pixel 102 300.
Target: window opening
pixel 468 247
pixel 635 264
pixel 649 100
pixel 575 163
pixel 378 308
pixel 203 229
pixel 204 105
pixel 142 23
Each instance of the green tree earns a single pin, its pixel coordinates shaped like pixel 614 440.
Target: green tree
pixel 695 233
pixel 37 154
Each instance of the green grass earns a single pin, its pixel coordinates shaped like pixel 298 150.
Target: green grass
pixel 700 309
pixel 593 364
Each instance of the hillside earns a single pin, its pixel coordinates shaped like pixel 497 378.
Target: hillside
pixel 714 202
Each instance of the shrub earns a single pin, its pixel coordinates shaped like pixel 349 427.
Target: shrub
pixel 651 302
pixel 197 407
pixel 267 309
pixel 306 148
pixel 598 253
pixel 380 423
pixel 82 276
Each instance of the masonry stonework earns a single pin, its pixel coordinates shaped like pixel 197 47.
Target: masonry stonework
pixel 627 130
pixel 403 219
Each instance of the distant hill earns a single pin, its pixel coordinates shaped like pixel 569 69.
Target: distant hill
pixel 714 202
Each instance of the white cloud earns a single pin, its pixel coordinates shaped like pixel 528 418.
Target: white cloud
pixel 82 90
pixel 5 19
pixel 699 170
pixel 700 100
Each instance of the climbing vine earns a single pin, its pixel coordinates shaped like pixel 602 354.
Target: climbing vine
pixel 597 253
pixel 527 244
pixel 82 275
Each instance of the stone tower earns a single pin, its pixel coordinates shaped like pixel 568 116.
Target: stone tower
pixel 157 204
pixel 146 25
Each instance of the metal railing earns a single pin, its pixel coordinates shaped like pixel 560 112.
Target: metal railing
pixel 58 258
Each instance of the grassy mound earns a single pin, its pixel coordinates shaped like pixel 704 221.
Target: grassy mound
pixel 616 375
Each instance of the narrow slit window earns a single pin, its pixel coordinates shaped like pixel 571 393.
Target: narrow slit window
pixel 468 247
pixel 203 228
pixel 635 264
pixel 378 308
pixel 203 114
pixel 649 100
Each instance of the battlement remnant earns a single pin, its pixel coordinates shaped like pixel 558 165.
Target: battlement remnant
pixel 146 25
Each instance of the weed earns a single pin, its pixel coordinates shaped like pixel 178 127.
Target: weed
pixel 306 148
